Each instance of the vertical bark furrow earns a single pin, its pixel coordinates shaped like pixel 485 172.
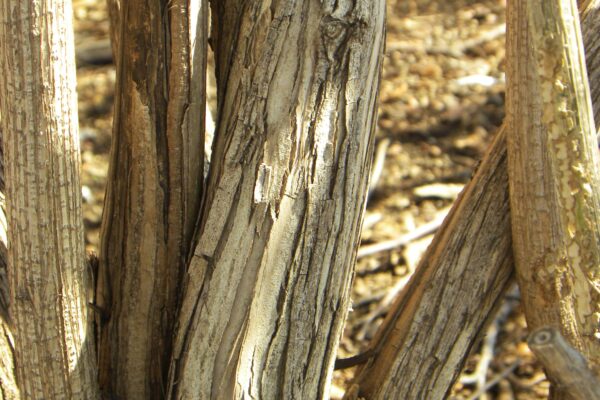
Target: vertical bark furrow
pixel 54 346
pixel 298 86
pixel 390 374
pixel 8 379
pixel 553 163
pixel 154 191
pixel 422 344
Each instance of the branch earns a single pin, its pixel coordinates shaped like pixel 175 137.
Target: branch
pixel 403 366
pixel 564 365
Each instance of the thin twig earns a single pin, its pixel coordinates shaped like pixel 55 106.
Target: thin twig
pixel 403 240
pixel 378 163
pixel 494 381
pixel 382 308
pixel 479 376
pixel 343 363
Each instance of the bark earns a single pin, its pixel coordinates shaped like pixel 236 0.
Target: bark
pixel 402 365
pixel 8 378
pixel 267 289
pixel 564 364
pixel 154 190
pixel 114 14
pixel 48 306
pixel 553 166
pixel 422 345
pixel 590 27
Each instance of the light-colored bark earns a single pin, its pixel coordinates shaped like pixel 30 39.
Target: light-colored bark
pixel 154 190
pixel 419 350
pixel 553 167
pixel 267 289
pixel 8 378
pixel 48 306
pixel 590 28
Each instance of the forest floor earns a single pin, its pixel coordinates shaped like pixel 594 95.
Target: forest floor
pixel 442 100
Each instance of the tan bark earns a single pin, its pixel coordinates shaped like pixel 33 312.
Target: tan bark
pixel 420 349
pixel 8 378
pixel 416 353
pixel 154 190
pixel 267 290
pixel 114 14
pixel 48 307
pixel 553 167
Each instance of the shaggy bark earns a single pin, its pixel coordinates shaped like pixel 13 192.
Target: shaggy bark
pixel 553 164
pixel 267 289
pixel 154 190
pixel 48 306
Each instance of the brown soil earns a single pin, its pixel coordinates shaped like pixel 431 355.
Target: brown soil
pixel 442 100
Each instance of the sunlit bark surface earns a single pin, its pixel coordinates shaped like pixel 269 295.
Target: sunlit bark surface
pixel 553 167
pixel 48 286
pixel 420 323
pixel 267 290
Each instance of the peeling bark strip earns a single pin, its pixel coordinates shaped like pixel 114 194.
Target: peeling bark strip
pixel 54 342
pixel 553 164
pixel 267 290
pixel 154 189
pixel 422 345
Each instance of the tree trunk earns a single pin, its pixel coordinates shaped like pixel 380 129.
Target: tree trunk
pixel 267 289
pixel 590 29
pixel 54 344
pixel 8 379
pixel 154 189
pixel 423 343
pixel 553 168
pixel 402 365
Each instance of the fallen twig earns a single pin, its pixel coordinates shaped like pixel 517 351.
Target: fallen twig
pixel 479 376
pixel 403 240
pixel 378 162
pixel 494 381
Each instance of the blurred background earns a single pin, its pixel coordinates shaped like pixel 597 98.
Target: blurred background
pixel 441 102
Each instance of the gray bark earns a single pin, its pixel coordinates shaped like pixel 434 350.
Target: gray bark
pixel 420 348
pixel 267 289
